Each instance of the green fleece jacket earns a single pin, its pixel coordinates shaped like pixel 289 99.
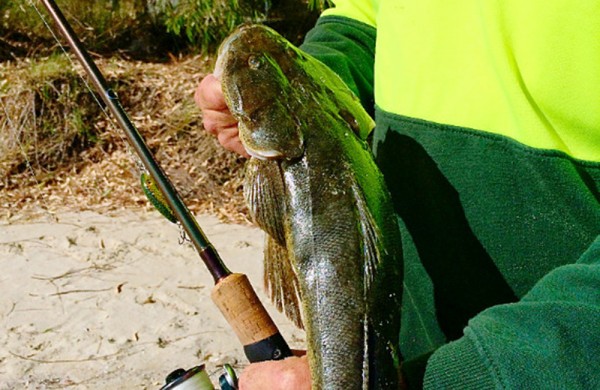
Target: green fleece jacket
pixel 488 134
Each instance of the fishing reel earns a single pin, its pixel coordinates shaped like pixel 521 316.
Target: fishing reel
pixel 196 378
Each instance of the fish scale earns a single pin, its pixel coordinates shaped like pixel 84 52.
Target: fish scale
pixel 333 244
pixel 336 288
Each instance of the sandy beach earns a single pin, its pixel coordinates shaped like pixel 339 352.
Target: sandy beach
pixel 113 301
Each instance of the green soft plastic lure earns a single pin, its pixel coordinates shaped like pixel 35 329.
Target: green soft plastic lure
pixel 156 197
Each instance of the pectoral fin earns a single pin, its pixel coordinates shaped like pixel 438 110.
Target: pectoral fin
pixel 281 281
pixel 265 195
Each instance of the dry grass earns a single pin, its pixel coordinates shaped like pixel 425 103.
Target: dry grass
pixel 58 149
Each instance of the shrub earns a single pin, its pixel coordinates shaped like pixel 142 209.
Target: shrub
pixel 206 22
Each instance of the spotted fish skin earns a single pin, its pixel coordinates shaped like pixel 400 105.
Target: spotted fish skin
pixel 333 258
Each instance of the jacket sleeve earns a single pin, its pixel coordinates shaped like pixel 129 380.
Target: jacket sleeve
pixel 549 339
pixel 347 46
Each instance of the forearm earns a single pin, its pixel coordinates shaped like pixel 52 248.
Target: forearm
pixel 549 339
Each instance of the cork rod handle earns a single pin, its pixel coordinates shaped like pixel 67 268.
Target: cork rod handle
pixel 239 304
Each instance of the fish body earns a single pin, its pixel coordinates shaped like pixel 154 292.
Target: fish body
pixel 333 254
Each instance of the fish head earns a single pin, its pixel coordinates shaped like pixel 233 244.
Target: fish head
pixel 254 65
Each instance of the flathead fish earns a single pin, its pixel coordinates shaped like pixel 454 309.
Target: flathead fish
pixel 333 256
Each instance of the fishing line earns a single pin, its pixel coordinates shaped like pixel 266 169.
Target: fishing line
pixel 142 171
pixel 133 157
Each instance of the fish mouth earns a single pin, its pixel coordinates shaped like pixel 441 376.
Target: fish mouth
pixel 263 154
pixel 271 152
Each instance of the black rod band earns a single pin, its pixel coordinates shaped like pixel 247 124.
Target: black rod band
pixel 271 348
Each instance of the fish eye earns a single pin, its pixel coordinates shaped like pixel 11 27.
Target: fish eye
pixel 254 62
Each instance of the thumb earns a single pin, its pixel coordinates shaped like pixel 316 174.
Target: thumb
pixel 288 374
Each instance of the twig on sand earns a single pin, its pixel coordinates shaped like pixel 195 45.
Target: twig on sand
pixel 192 287
pixel 81 291
pixel 74 271
pixel 14 304
pixel 57 361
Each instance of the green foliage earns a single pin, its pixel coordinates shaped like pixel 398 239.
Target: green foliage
pixel 53 67
pixel 319 5
pixel 102 24
pixel 206 22
pixel 151 28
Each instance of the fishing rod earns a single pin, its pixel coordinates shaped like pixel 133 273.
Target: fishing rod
pixel 233 294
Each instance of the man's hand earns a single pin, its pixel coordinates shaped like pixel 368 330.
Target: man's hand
pixel 288 374
pixel 216 117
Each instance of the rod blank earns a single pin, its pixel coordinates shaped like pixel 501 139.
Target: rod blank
pixel 208 254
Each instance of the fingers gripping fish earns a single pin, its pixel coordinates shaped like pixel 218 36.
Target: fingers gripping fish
pixel 333 254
